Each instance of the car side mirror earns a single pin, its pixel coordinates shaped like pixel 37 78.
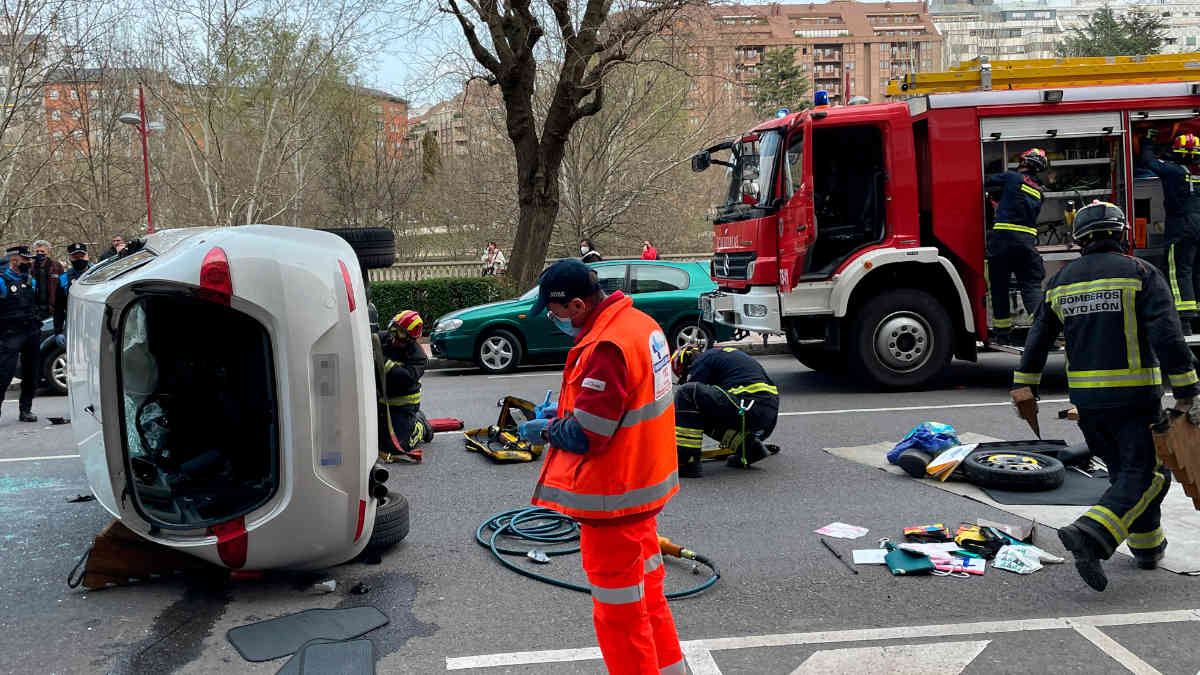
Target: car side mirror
pixel 701 161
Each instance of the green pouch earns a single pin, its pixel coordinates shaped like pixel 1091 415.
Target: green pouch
pixel 908 563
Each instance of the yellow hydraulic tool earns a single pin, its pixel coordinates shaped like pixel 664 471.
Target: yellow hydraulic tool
pixel 500 441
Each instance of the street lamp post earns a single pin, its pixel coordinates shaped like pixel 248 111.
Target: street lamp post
pixel 139 120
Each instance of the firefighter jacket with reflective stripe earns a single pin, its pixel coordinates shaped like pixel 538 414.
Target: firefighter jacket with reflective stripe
pixel 1116 314
pixel 404 368
pixel 18 301
pixel 636 472
pixel 62 290
pixel 1020 201
pixel 1181 195
pixel 732 370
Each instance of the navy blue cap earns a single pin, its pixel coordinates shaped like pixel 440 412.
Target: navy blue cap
pixel 561 282
pixel 77 247
pixel 22 251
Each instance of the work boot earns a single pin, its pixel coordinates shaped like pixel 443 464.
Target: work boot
pixel 1087 558
pixel 1185 325
pixel 27 416
pixel 691 469
pixel 754 451
pixel 1000 337
pixel 1148 559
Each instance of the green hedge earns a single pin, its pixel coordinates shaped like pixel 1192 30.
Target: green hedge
pixel 434 297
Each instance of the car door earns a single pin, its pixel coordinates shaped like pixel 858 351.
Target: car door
pixel 662 292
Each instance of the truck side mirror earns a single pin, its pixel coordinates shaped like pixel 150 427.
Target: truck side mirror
pixel 700 161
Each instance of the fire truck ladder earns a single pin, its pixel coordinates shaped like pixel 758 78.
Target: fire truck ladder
pixel 981 74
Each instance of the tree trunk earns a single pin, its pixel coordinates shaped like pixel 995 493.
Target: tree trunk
pixel 538 203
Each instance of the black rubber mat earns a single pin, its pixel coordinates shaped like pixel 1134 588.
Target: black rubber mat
pixel 1076 490
pixel 273 638
pixel 330 657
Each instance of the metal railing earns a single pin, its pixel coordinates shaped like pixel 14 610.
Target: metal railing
pixel 473 268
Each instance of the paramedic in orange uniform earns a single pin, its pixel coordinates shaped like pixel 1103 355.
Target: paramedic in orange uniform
pixel 611 463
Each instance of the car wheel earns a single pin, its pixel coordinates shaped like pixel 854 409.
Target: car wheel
pixel 374 246
pixel 901 340
pixel 498 352
pixel 692 334
pixel 1014 470
pixel 391 523
pixel 54 370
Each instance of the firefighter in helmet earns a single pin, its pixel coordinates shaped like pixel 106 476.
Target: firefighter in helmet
pixel 404 365
pixel 727 395
pixel 1181 229
pixel 1117 316
pixel 1012 241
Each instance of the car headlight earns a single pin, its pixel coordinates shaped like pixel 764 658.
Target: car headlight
pixel 447 325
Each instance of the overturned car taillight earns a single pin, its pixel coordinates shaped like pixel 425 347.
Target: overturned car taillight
pixel 349 285
pixel 216 284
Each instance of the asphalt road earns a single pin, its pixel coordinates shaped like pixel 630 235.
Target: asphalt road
pixel 782 601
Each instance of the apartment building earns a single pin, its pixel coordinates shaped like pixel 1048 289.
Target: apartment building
pixel 474 119
pixel 1182 19
pixel 849 48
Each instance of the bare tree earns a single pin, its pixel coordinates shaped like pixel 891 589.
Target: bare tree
pixel 589 40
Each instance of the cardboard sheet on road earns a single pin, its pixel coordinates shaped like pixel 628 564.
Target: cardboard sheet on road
pixel 1180 519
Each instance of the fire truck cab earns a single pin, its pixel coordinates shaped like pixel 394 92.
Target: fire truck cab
pixel 858 232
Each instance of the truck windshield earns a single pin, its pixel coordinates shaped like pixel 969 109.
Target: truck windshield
pixel 749 180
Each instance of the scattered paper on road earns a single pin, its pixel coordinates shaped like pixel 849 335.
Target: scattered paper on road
pixel 842 531
pixel 870 556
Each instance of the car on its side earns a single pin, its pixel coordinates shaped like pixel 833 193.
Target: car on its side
pixel 222 385
pixel 499 336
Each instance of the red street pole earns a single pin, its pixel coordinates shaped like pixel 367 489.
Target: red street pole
pixel 145 157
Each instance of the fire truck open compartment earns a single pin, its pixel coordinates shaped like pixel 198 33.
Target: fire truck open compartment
pixel 849 185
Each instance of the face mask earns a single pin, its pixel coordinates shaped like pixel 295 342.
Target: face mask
pixel 23 268
pixel 583 249
pixel 79 265
pixel 564 325
pixel 40 257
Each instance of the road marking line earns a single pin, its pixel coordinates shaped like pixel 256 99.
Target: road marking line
pixel 950 658
pixel 914 407
pixel 1114 649
pixel 700 661
pixel 853 635
pixel 506 377
pixel 37 459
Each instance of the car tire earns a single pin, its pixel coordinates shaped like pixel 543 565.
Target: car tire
pixel 498 351
pixel 901 340
pixel 1014 470
pixel 694 333
pixel 54 371
pixel 374 246
pixel 391 523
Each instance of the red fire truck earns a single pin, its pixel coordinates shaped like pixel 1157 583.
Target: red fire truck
pixel 858 231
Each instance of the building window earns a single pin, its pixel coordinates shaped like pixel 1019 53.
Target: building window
pixel 57 135
pixel 55 115
pixel 54 94
pixel 1191 42
pixel 74 95
pixel 94 94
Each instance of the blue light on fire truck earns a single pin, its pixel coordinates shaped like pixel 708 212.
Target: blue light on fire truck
pixel 821 98
pixel 781 113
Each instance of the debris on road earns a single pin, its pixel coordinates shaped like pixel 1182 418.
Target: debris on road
pixel 81 498
pixel 327 586
pixel 842 531
pixel 360 589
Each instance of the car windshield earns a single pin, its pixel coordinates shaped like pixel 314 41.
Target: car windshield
pixel 529 294
pixel 748 182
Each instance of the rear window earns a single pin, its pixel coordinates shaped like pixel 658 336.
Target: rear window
pixel 199 414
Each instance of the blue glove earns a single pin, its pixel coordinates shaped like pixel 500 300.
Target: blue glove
pixel 60 340
pixel 533 431
pixel 546 410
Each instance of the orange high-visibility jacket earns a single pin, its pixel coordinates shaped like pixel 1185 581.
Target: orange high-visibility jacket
pixel 638 470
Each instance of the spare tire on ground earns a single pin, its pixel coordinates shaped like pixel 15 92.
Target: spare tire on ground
pixel 1014 470
pixel 374 246
pixel 391 523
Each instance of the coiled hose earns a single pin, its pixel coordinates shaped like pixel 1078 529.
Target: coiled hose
pixel 551 528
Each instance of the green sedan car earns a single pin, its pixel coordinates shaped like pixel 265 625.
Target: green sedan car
pixel 498 337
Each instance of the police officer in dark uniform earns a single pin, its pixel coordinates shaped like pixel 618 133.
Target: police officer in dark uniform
pixel 19 328
pixel 1181 229
pixel 77 256
pixel 1012 242
pixel 728 396
pixel 406 427
pixel 1116 314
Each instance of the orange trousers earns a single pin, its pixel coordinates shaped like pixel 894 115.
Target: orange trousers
pixel 633 623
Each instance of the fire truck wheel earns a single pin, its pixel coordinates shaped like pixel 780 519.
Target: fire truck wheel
pixel 901 339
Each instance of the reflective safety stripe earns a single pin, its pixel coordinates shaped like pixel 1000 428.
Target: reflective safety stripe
pixel 1026 378
pixel 1156 487
pixel 652 563
pixel 677 668
pixel 1031 191
pixel 595 423
pixel 1013 227
pixel 411 399
pixel 617 502
pixel 688 437
pixel 619 596
pixel 756 388
pixel 1110 521
pixel 647 412
pixel 1184 379
pixel 1002 323
pixel 1098 379
pixel 1144 540
pixel 1180 304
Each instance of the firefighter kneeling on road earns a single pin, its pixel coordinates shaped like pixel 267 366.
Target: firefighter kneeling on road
pixel 726 394
pixel 1116 315
pixel 404 366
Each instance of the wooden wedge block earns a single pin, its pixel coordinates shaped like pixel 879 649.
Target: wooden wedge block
pixel 120 557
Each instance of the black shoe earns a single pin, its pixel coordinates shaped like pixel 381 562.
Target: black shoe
pixel 27 417
pixel 691 470
pixel 755 450
pixel 1186 325
pixel 1087 560
pixel 1148 559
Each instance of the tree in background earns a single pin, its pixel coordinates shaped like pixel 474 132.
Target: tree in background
pixel 781 83
pixel 1105 34
pixel 431 155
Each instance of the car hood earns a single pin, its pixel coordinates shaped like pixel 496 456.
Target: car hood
pixel 483 311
